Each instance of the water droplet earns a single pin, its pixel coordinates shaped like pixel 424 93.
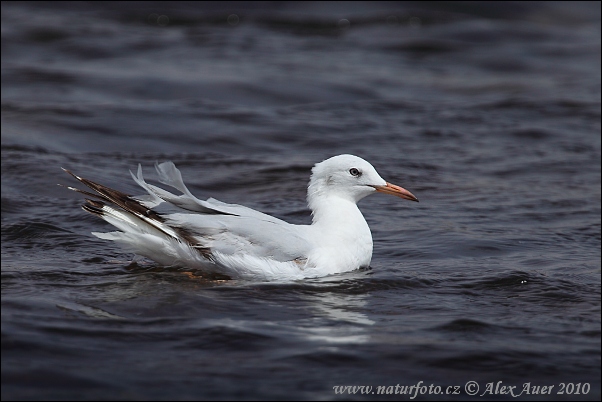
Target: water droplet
pixel 233 19
pixel 163 20
pixel 344 24
pixel 415 22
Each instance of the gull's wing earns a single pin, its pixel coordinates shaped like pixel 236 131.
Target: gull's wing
pixel 232 235
pixel 170 175
pixel 208 227
pixel 227 228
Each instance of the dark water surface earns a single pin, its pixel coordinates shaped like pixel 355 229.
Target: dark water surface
pixel 488 112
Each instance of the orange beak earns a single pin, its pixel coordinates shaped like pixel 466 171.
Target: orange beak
pixel 397 191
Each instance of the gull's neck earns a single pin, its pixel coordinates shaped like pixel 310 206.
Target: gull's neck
pixel 340 232
pixel 336 214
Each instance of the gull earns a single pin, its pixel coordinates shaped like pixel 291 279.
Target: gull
pixel 232 241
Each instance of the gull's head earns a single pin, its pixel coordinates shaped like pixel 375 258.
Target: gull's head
pixel 349 177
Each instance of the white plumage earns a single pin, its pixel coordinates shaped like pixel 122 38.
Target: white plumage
pixel 241 243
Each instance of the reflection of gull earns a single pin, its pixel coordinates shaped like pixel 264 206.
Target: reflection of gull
pixel 348 313
pixel 239 242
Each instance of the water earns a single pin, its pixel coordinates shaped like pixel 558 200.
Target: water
pixel 487 112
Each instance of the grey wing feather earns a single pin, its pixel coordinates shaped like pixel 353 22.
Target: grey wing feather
pixel 185 201
pixel 170 175
pixel 246 235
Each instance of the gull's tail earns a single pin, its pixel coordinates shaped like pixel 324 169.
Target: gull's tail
pixel 135 220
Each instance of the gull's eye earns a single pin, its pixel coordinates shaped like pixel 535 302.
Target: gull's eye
pixel 355 172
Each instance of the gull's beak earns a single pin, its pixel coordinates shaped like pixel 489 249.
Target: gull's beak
pixel 396 190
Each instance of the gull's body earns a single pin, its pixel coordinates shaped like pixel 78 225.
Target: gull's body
pixel 238 242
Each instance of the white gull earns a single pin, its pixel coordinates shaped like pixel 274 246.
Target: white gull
pixel 233 241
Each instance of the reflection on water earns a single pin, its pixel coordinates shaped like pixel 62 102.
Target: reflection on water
pixel 346 321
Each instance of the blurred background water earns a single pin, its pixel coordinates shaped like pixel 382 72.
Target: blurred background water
pixel 489 112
